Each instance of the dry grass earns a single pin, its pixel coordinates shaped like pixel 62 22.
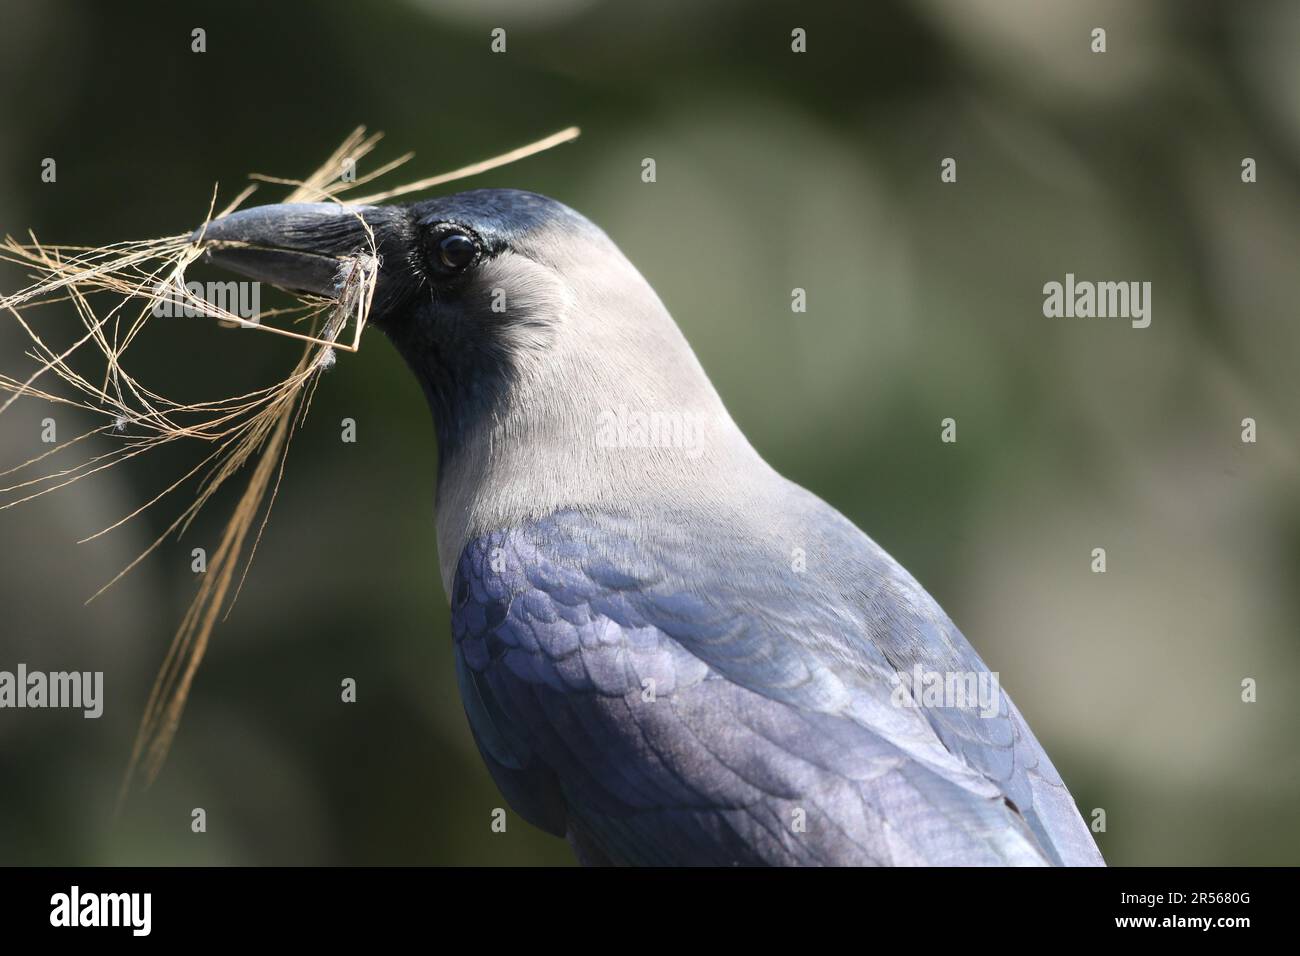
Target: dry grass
pixel 114 290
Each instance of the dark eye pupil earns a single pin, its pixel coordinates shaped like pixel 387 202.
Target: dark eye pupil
pixel 456 250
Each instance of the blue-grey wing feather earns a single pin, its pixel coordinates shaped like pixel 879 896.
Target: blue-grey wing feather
pixel 660 709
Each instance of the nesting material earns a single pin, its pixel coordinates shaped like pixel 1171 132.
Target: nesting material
pixel 115 292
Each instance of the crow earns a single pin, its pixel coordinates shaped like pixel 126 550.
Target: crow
pixel 668 653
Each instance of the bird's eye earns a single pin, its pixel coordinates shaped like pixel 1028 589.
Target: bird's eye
pixel 456 251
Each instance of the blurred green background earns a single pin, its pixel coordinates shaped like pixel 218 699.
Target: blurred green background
pixel 775 170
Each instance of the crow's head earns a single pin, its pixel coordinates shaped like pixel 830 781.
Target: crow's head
pixel 527 328
pixel 469 285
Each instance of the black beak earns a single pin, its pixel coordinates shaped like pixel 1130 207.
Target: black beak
pixel 300 246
